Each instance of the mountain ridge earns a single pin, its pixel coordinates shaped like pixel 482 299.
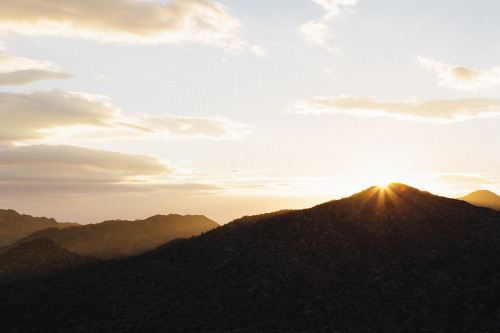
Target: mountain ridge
pixel 386 259
pixel 120 238
pixel 14 226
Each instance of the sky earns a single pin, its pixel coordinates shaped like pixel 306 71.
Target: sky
pixel 123 109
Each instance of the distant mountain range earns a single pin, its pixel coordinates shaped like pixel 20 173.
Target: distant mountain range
pixel 36 258
pixel 384 259
pixel 14 226
pixel 483 198
pixel 119 238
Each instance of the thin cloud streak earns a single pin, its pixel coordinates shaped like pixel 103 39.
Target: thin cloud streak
pixel 126 21
pixel 433 111
pixel 17 71
pixel 462 78
pixel 22 77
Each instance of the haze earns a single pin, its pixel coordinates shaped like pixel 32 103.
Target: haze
pixel 128 108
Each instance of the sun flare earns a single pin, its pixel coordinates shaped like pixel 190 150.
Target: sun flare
pixel 382 171
pixel 381 175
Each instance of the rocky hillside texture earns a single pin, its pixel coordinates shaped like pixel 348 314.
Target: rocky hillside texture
pixel 483 198
pixel 14 226
pixel 395 259
pixel 118 238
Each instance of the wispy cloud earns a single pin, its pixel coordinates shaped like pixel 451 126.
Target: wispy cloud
pixel 462 78
pixel 39 115
pixel 332 7
pixel 465 183
pixel 12 63
pixel 125 21
pixel 436 111
pixel 194 127
pixel 18 78
pixel 469 181
pixel 15 71
pixel 317 33
pixel 259 51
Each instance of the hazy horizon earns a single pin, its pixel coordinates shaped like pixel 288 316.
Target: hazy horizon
pixel 225 108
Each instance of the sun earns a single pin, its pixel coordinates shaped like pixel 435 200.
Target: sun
pixel 380 175
pixel 382 171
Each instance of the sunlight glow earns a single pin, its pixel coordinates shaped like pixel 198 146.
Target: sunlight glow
pixel 381 169
pixel 382 175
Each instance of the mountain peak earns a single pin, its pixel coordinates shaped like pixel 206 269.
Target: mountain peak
pixel 483 198
pixel 483 193
pixel 391 194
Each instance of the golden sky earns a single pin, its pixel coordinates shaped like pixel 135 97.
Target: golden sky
pixel 128 108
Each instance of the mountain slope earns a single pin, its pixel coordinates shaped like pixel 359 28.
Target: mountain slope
pixel 38 257
pixel 14 226
pixel 117 238
pixel 483 198
pixel 381 260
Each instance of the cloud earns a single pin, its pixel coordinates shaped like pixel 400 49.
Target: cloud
pixel 194 127
pixel 317 33
pixel 22 77
pixel 24 116
pixel 437 111
pixel 465 183
pixel 73 156
pixel 40 115
pixel 333 6
pixel 259 51
pixel 125 21
pixel 16 71
pixel 71 170
pixel 12 63
pixel 462 78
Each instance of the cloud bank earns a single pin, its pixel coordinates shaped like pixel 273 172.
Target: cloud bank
pixel 73 170
pixel 39 115
pixel 436 111
pixel 125 21
pixel 462 78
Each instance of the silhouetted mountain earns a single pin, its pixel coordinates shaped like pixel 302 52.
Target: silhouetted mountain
pixel 395 259
pixel 118 238
pixel 38 257
pixel 483 198
pixel 14 226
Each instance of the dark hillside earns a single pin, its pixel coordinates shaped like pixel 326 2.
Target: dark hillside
pixel 39 257
pixel 381 260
